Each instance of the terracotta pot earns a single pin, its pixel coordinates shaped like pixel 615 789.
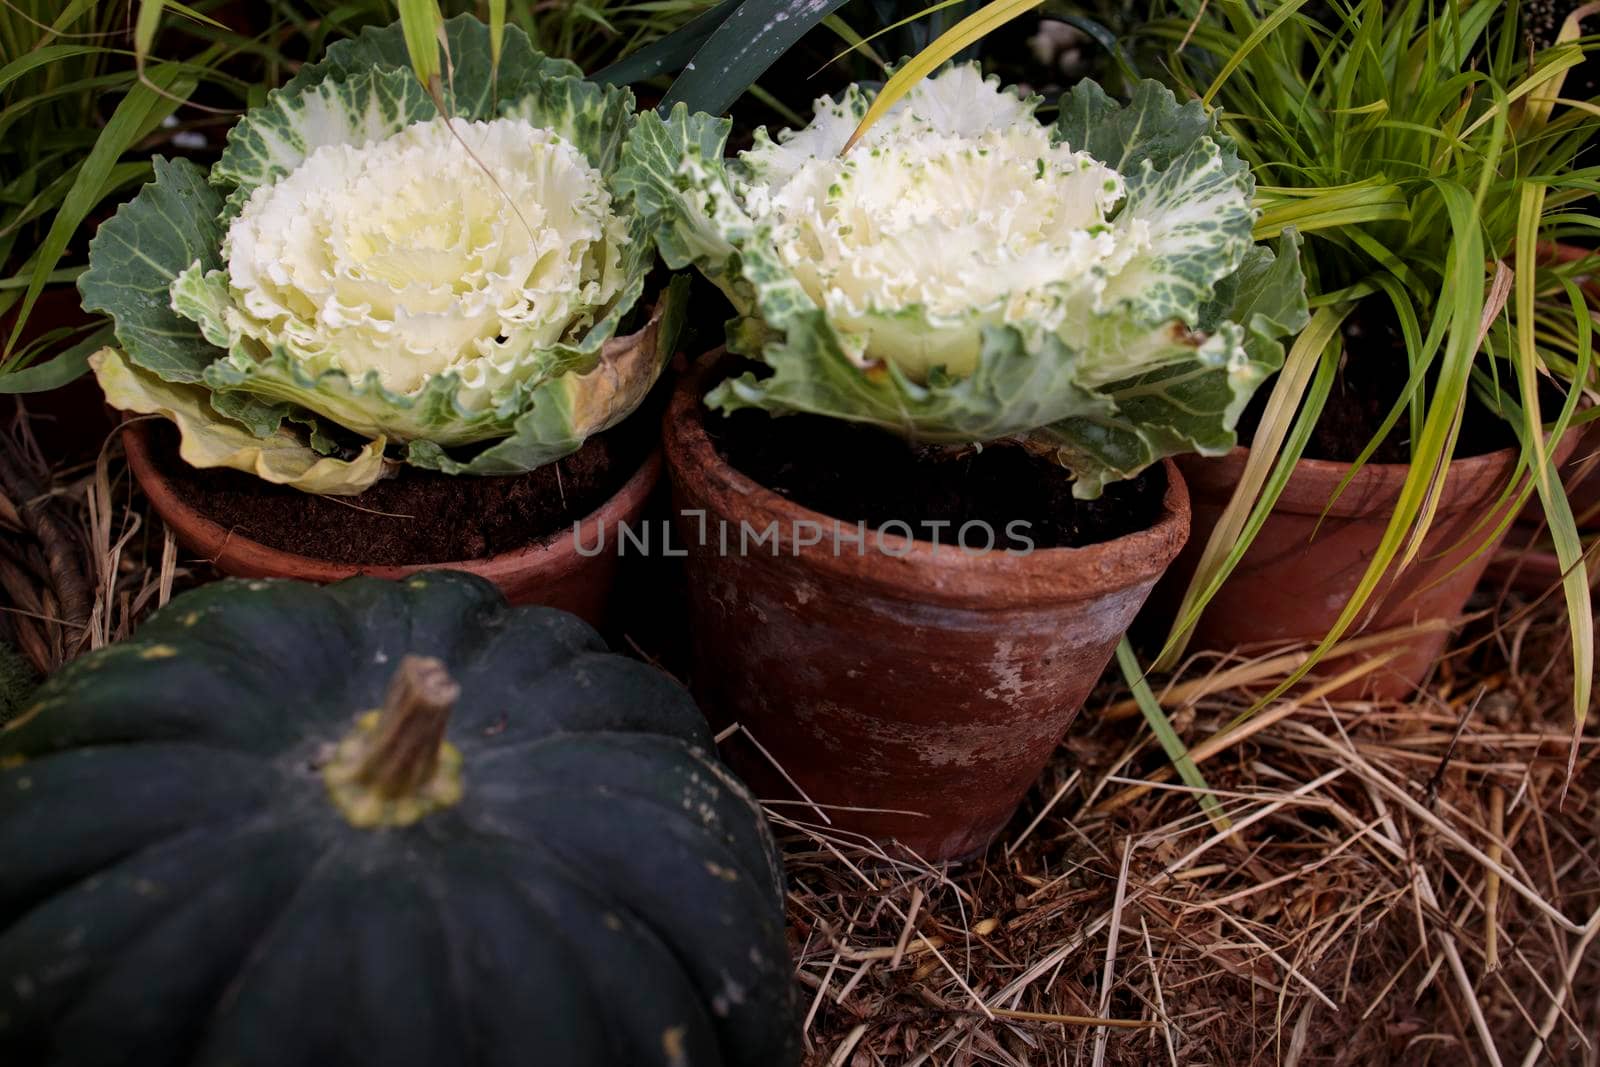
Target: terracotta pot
pixel 918 680
pixel 550 571
pixel 1584 495
pixel 1308 557
pixel 1527 561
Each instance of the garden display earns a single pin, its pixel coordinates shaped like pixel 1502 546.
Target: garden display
pixel 379 823
pixel 974 319
pixel 1090 507
pixel 362 290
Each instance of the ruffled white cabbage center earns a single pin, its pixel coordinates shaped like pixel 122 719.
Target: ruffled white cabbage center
pixel 942 221
pixel 433 250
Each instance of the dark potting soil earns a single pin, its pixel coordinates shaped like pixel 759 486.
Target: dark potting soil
pixel 417 516
pixel 862 474
pixel 1369 380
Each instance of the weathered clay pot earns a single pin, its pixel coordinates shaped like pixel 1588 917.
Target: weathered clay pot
pixel 922 681
pixel 1300 570
pixel 1584 495
pixel 1527 561
pixel 550 571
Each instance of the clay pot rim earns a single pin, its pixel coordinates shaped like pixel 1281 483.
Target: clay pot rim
pixel 556 553
pixel 942 574
pixel 1472 481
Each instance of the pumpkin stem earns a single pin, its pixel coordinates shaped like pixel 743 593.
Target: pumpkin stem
pixel 396 766
pixel 404 752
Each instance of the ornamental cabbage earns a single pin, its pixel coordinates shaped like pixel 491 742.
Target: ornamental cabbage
pixel 967 274
pixel 360 276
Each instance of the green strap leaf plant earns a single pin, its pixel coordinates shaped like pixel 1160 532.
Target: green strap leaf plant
pixel 1176 751
pixel 670 53
pixel 141 111
pixel 721 53
pixel 83 94
pixel 1413 143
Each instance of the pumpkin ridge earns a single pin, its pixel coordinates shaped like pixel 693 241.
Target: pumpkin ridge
pixel 523 747
pixel 626 795
pixel 773 859
pixel 696 829
pixel 552 925
pixel 232 819
pixel 109 870
pixel 750 902
pixel 342 919
pixel 54 724
pixel 552 863
pixel 175 904
pixel 260 942
pixel 629 742
pixel 438 895
pixel 469 672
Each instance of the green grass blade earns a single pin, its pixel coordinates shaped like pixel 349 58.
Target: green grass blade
pixel 419 22
pixel 1552 495
pixel 139 112
pixel 1177 752
pixel 48 56
pixel 862 44
pixel 969 30
pixel 1260 33
pixel 1280 439
pixel 497 30
pixel 669 53
pixel 144 27
pixel 55 373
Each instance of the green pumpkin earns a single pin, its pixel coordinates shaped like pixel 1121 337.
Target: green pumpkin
pixel 379 825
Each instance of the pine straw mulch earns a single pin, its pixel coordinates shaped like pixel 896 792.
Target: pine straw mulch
pixel 1339 914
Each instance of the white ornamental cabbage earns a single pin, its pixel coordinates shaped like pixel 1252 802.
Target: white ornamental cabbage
pixel 446 247
pixel 362 276
pixel 966 273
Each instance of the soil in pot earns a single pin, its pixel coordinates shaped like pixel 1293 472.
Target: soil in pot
pixel 1364 390
pixel 861 474
pixel 419 516
pixel 912 690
